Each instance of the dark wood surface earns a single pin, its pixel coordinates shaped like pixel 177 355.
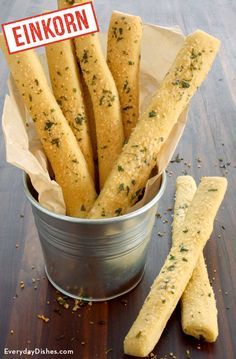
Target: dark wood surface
pixel 208 145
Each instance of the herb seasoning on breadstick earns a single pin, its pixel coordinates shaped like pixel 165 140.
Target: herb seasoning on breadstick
pixel 87 98
pixel 67 88
pixel 198 305
pixel 133 168
pixel 91 118
pixel 177 269
pixel 105 99
pixel 57 138
pixel 123 58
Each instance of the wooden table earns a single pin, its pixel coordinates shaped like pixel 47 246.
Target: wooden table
pixel 208 145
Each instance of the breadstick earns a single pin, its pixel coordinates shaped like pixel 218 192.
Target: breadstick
pixel 198 305
pixel 123 58
pixel 105 99
pixel 57 138
pixel 177 269
pixel 133 168
pixel 67 88
pixel 87 98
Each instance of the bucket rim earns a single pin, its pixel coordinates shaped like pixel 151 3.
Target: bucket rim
pixel 98 221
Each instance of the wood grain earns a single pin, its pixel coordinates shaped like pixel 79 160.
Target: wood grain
pixel 208 145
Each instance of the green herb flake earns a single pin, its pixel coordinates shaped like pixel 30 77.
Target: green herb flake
pixel 120 168
pixel 70 2
pixel 85 57
pixel 79 119
pixel 181 83
pixel 48 125
pixel 126 87
pixel 213 190
pixel 117 33
pixel 127 108
pixel 94 80
pixel 177 159
pixel 36 82
pixel 74 90
pixel 172 257
pixel 30 97
pixel 185 230
pixel 184 84
pixel 101 100
pixel 121 187
pixel 184 259
pixel 56 141
pixel 83 208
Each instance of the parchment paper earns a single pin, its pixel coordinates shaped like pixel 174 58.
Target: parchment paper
pixel 160 46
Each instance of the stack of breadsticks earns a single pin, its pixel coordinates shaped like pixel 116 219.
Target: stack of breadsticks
pixel 103 151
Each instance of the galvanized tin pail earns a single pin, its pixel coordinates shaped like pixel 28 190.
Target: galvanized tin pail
pixel 94 260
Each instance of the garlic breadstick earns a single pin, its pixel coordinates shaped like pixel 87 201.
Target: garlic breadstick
pixel 105 100
pixel 123 58
pixel 133 168
pixel 67 88
pixel 177 269
pixel 87 98
pixel 62 4
pixel 198 305
pixel 57 138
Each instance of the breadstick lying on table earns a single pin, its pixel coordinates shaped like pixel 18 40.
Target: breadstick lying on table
pixel 198 305
pixel 123 58
pixel 67 88
pixel 105 99
pixel 177 269
pixel 133 168
pixel 57 138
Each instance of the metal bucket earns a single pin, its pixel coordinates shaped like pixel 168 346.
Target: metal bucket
pixel 94 260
